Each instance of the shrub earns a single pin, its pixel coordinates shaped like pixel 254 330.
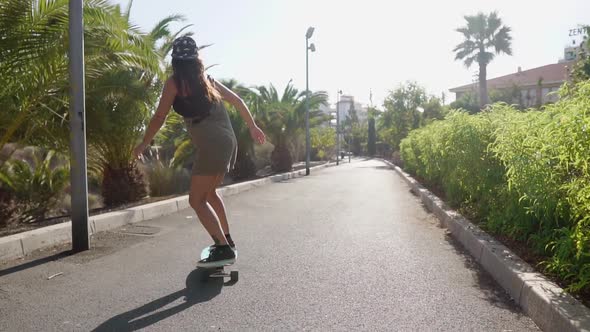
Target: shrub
pixel 36 188
pixel 65 205
pixel 525 175
pixel 396 158
pixel 168 180
pixel 262 155
pixel 453 156
pixel 547 156
pixel 7 204
pixel 323 141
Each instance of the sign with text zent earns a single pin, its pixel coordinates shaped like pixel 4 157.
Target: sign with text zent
pixel 579 31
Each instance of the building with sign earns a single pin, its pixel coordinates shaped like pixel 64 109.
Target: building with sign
pixel 574 52
pixel 579 44
pixel 537 85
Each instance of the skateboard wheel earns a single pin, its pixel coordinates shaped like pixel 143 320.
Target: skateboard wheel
pixel 233 275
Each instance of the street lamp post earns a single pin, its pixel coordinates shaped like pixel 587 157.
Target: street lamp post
pixel 307 137
pixel 79 184
pixel 338 94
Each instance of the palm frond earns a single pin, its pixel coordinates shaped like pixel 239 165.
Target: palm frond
pixel 127 12
pixel 502 41
pixel 493 24
pixel 162 28
pixel 481 33
pixel 464 49
pixel 466 33
pixel 470 60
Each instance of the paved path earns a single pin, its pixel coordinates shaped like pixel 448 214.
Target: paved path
pixel 348 248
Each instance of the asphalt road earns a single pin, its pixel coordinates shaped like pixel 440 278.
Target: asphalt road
pixel 348 248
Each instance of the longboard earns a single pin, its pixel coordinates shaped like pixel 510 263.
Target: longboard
pixel 218 270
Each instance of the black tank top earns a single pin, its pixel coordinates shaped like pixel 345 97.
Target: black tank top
pixel 191 106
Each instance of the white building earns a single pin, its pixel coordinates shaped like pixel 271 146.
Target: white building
pixel 344 106
pixel 346 103
pixel 579 45
pixel 571 53
pixel 327 109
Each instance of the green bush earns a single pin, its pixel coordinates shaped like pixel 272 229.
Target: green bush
pixel 262 155
pixel 37 188
pixel 7 203
pixel 522 147
pixel 323 141
pixel 168 180
pixel 525 175
pixel 452 155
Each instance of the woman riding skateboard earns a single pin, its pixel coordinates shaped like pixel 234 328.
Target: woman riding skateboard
pixel 199 99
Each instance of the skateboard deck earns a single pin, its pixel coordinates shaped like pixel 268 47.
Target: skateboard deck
pixel 217 271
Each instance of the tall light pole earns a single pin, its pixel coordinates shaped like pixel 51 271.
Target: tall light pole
pixel 338 94
pixel 79 184
pixel 307 137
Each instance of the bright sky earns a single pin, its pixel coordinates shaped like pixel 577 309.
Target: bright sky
pixel 362 45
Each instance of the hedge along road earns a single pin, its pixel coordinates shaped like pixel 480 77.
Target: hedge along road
pixel 348 248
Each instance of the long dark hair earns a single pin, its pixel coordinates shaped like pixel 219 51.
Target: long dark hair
pixel 189 76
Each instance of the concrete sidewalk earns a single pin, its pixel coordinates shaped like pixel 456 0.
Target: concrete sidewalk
pixel 349 248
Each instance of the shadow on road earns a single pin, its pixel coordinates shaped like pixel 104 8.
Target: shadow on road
pixel 380 167
pixel 34 263
pixel 492 292
pixel 196 291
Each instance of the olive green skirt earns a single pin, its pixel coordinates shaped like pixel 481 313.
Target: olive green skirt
pixel 214 141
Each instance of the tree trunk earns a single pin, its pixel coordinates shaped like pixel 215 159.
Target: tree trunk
pixel 483 85
pixel 372 139
pixel 244 167
pixel 281 159
pixel 122 185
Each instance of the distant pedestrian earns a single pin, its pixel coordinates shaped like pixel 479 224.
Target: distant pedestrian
pixel 199 99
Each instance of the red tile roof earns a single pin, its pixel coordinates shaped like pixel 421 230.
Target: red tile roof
pixel 554 73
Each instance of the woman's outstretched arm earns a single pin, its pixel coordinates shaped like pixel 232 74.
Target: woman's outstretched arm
pixel 166 100
pixel 232 98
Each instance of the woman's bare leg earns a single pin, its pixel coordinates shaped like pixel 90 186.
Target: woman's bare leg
pixel 216 203
pixel 201 186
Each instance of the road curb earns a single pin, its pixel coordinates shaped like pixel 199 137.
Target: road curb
pixel 547 304
pixel 20 245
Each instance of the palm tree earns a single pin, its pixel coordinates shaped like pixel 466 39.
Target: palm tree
pixel 33 67
pixel 34 80
pixel 122 64
pixel 128 111
pixel 119 100
pixel 485 36
pixel 283 119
